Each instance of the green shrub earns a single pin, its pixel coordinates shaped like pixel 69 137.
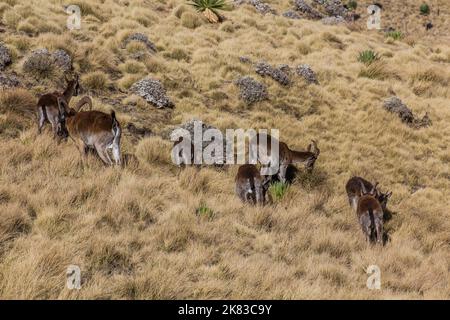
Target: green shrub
pixel 425 9
pixel 352 4
pixel 368 56
pixel 277 190
pixel 204 212
pixel 396 35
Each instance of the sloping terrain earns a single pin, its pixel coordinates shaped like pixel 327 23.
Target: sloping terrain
pixel 153 231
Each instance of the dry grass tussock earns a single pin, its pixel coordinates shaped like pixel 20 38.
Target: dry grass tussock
pixel 153 231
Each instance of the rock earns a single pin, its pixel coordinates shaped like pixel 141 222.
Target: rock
pixel 291 14
pixel 153 92
pixel 331 21
pixel 245 60
pixel 307 73
pixel 395 105
pixel 264 69
pixel 251 91
pixel 335 8
pixel 307 10
pixel 259 5
pixel 8 81
pixel 62 60
pixel 5 56
pixel 140 37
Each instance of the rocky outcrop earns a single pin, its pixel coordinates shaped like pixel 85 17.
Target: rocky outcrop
pixel 307 73
pixel 307 10
pixel 8 81
pixel 251 91
pixel 140 37
pixel 395 105
pixel 153 92
pixel 5 56
pixel 264 69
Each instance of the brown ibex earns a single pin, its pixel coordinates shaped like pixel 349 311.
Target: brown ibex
pixel 92 129
pixel 354 190
pixel 286 156
pixel 370 215
pixel 250 185
pixel 48 109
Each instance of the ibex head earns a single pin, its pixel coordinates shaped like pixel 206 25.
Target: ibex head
pixel 74 84
pixel 313 148
pixel 383 198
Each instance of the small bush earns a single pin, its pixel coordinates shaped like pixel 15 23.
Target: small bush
pixel 277 190
pixel 396 35
pixel 425 9
pixel 204 212
pixel 352 4
pixel 40 65
pixel 368 56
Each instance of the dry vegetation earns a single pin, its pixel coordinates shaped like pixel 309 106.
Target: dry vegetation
pixel 153 231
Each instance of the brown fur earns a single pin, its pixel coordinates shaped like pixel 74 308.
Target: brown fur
pixel 354 190
pixel 250 185
pixel 370 215
pixel 48 108
pixel 288 156
pixel 94 129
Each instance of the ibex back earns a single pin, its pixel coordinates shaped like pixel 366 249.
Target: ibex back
pixel 94 129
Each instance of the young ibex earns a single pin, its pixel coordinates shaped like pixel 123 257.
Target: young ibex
pixel 370 215
pixel 250 185
pixel 48 109
pixel 92 129
pixel 354 190
pixel 287 156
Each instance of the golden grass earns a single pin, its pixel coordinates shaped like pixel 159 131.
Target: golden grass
pixel 154 231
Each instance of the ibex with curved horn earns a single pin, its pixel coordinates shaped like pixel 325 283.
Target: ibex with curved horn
pixel 354 190
pixel 48 109
pixel 370 214
pixel 287 156
pixel 92 129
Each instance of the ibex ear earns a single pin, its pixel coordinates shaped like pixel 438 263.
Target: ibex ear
pixel 389 194
pixel 309 147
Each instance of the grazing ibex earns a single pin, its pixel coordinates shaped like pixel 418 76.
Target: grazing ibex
pixel 48 109
pixel 354 189
pixel 370 215
pixel 286 155
pixel 92 129
pixel 250 185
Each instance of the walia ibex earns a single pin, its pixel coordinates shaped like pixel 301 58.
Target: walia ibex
pixel 48 109
pixel 92 129
pixel 287 156
pixel 370 215
pixel 354 190
pixel 251 186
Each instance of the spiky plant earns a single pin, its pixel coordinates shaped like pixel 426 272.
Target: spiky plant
pixel 368 56
pixel 210 8
pixel 425 9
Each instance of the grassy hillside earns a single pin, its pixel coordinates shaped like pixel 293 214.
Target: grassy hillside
pixel 136 232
